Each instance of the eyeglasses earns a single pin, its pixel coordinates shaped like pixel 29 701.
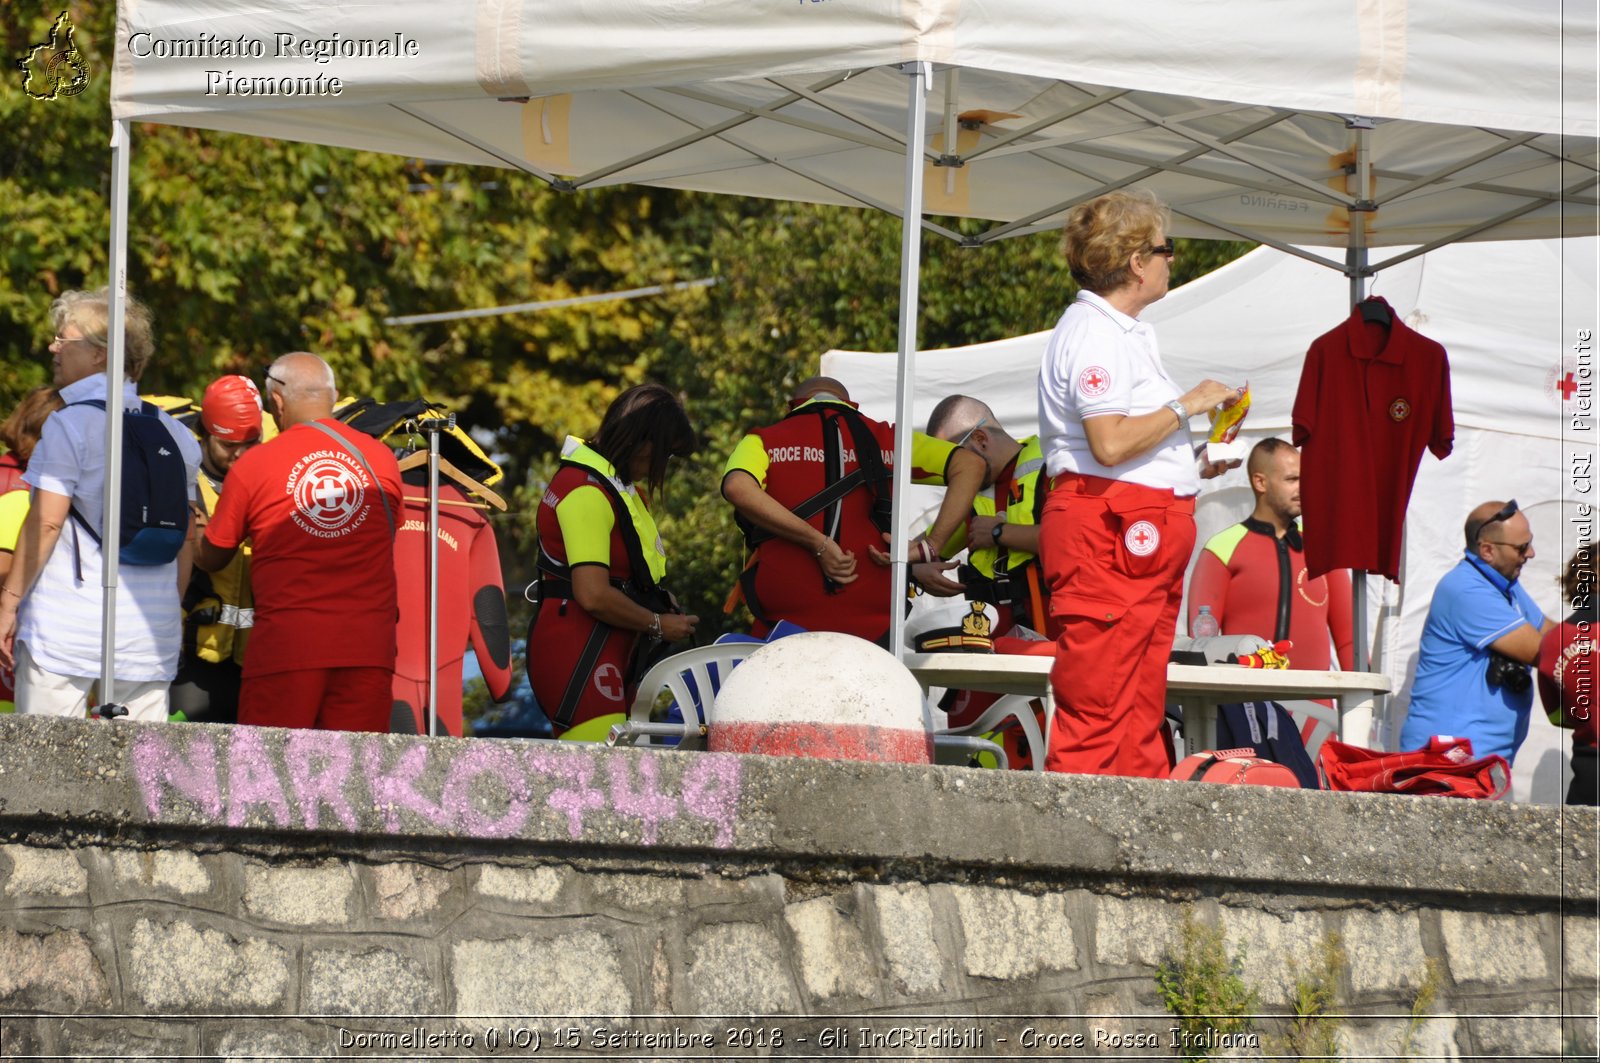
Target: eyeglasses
pixel 76 339
pixel 273 380
pixel 1506 512
pixel 1169 249
pixel 1521 548
pixel 968 433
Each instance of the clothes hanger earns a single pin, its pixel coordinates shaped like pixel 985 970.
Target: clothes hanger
pixel 1376 310
pixel 419 458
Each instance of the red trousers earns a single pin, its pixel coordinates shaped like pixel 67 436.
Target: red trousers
pixel 330 699
pixel 1114 555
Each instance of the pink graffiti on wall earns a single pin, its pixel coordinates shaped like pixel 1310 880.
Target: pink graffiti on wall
pixel 317 781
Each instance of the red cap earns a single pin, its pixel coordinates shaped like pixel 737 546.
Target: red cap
pixel 231 409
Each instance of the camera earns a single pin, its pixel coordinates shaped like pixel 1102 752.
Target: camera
pixel 1505 672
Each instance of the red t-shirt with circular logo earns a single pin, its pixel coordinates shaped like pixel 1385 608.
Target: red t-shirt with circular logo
pixel 322 560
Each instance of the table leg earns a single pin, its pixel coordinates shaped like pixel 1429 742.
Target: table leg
pixel 1355 718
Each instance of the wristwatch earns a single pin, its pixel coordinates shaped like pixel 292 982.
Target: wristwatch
pixel 994 532
pixel 1183 415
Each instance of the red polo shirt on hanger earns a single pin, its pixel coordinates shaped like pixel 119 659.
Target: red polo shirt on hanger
pixel 1372 398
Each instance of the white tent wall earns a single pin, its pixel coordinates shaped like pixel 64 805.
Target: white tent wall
pixel 1507 313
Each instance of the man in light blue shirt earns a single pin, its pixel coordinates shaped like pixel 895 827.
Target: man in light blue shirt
pixel 1482 633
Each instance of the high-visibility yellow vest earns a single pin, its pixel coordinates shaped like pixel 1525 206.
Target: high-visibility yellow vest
pixel 1021 500
pixel 230 612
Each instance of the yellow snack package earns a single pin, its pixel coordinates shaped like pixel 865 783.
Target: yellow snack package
pixel 1225 423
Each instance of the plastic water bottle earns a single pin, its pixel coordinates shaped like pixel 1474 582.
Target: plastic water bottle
pixel 1205 625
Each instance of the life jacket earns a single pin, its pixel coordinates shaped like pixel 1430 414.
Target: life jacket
pixel 871 475
pixel 219 619
pixel 11 471
pixel 997 574
pixel 647 563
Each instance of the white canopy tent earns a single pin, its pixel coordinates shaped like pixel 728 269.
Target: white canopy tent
pixel 1344 124
pixel 1507 313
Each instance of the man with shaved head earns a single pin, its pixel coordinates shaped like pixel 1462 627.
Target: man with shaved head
pixel 1253 574
pixel 812 494
pixel 1482 634
pixel 1002 536
pixel 318 504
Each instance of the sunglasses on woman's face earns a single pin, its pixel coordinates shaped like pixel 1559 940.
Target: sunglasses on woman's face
pixel 1169 249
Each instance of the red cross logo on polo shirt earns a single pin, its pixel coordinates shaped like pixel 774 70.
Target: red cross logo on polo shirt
pixel 1094 381
pixel 1567 385
pixel 1142 539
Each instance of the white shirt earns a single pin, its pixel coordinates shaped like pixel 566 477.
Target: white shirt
pixel 1101 361
pixel 60 618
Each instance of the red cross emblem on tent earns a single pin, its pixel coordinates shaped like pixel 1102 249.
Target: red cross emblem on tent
pixel 1142 538
pixel 1094 382
pixel 1567 385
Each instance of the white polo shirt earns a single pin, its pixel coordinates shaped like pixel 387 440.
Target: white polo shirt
pixel 1101 361
pixel 60 618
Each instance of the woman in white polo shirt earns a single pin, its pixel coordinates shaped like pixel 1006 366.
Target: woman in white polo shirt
pixel 1118 523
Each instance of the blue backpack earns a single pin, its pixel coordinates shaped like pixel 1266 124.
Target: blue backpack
pixel 155 490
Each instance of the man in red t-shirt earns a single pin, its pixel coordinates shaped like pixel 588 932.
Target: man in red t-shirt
pixel 319 505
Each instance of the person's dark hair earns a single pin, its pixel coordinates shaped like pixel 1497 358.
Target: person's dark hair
pixel 21 429
pixel 960 410
pixel 1579 581
pixel 648 413
pixel 1262 453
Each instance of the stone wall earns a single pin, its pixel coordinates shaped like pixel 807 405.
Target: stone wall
pixel 235 893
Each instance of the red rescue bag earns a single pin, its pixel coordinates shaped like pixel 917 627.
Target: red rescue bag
pixel 1237 766
pixel 1444 767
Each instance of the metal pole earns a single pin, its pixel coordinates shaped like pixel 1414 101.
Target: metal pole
pixel 433 426
pixel 1356 269
pixel 117 284
pixel 918 75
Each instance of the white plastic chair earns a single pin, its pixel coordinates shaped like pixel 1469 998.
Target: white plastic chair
pixel 673 674
pixel 1014 706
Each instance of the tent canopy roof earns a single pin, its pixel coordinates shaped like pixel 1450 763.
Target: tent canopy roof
pixel 1244 121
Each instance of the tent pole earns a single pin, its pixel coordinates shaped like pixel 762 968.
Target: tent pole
pixel 115 361
pixel 1356 269
pixel 918 75
pixel 433 426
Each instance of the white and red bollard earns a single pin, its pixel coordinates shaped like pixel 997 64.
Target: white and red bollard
pixel 821 694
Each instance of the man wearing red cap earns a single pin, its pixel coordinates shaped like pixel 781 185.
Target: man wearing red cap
pixel 218 609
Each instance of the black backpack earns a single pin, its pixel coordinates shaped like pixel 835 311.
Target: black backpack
pixel 155 490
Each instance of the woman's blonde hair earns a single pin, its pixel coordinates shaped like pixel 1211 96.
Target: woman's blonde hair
pixel 1100 236
pixel 91 312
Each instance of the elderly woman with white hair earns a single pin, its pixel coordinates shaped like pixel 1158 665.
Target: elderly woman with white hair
pixel 51 601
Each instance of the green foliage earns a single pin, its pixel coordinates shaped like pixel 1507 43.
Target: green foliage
pixel 1203 987
pixel 1314 1030
pixel 246 248
pixel 1421 1005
